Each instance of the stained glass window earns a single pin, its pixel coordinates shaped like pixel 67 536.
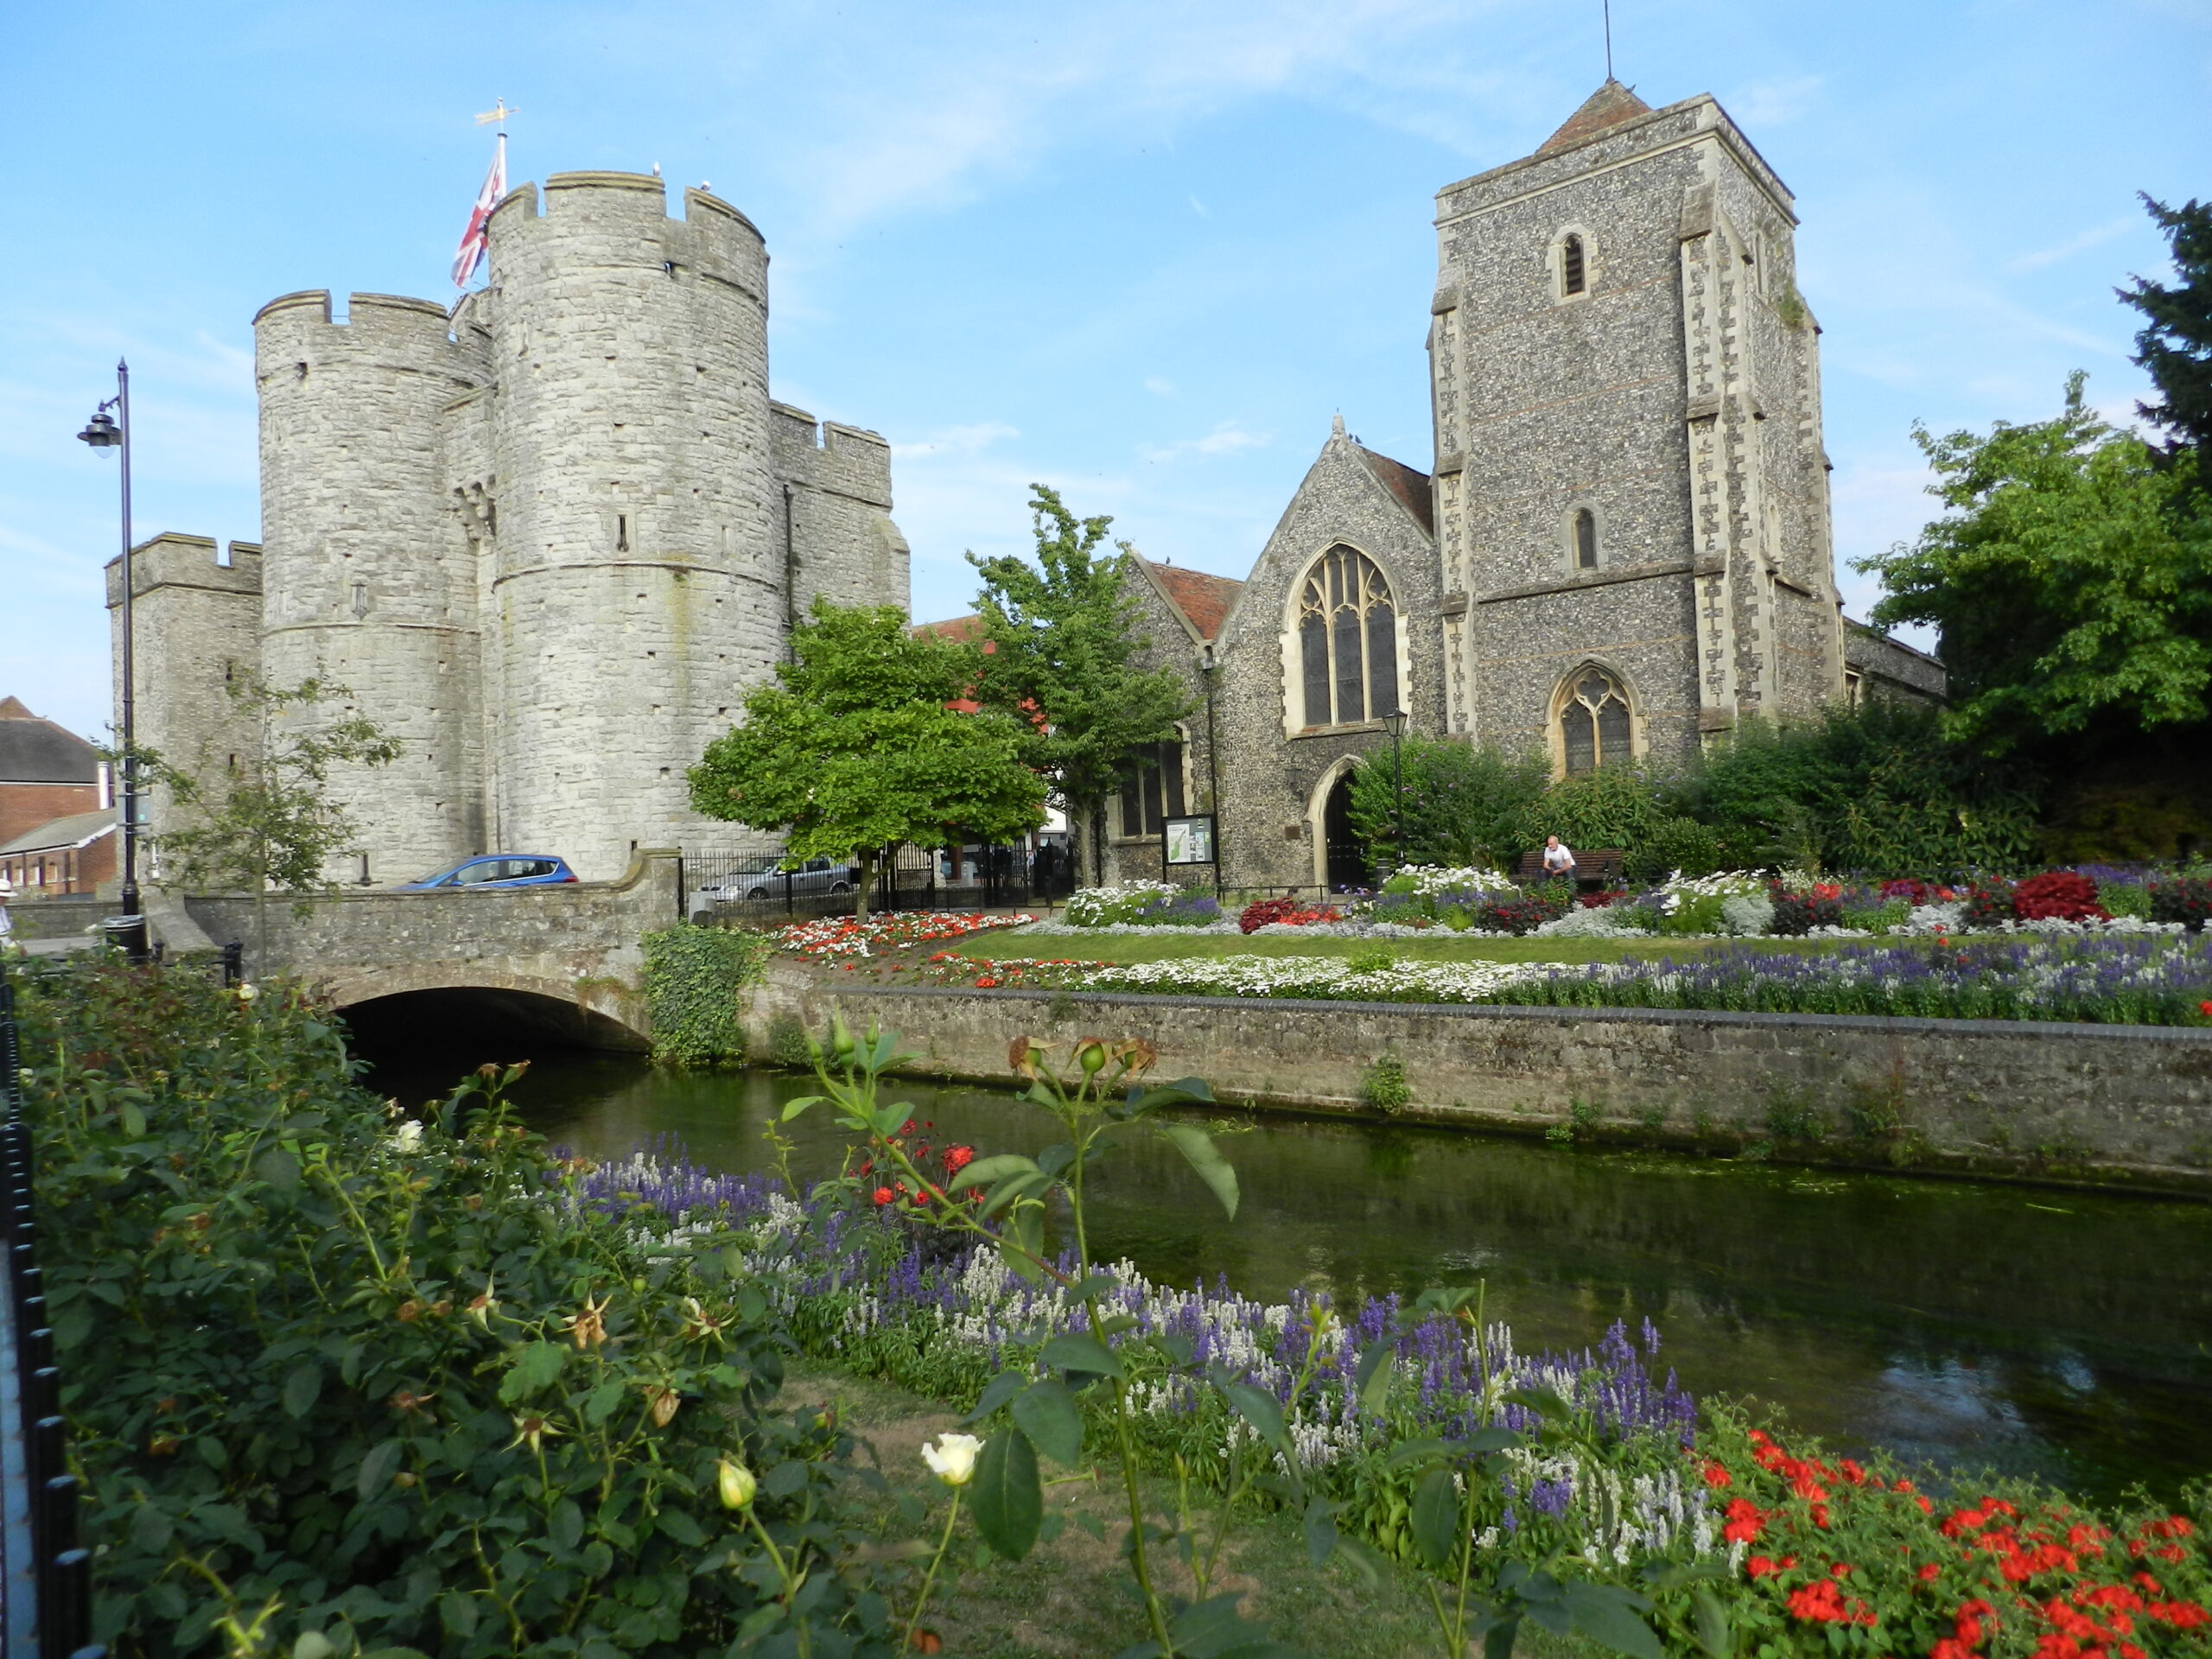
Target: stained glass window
pixel 1594 725
pixel 1347 641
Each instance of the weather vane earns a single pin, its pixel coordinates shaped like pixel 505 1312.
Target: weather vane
pixel 1609 45
pixel 501 114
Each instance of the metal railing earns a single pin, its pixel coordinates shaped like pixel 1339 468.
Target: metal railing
pixel 47 1576
pixel 736 890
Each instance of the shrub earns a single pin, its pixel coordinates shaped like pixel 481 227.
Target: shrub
pixel 2186 899
pixel 1747 914
pixel 365 1386
pixel 692 977
pixel 1800 912
pixel 1671 844
pixel 1384 1086
pixel 1989 905
pixel 1522 914
pixel 2059 896
pixel 1456 804
pixel 1265 912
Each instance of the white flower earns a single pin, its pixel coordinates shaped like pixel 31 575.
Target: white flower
pixel 953 1460
pixel 407 1135
pixel 247 993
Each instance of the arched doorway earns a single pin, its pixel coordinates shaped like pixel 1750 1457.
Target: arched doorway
pixel 1346 860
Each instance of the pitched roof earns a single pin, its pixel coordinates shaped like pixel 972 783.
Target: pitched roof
pixel 1203 600
pixel 956 627
pixel 73 831
pixel 1610 106
pixel 34 751
pixel 1410 487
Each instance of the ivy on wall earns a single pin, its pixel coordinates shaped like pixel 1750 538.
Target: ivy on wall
pixel 692 977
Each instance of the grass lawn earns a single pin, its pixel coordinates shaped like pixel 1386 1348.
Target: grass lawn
pixel 1071 1597
pixel 1443 946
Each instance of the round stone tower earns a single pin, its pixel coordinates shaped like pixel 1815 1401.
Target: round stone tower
pixel 640 575
pixel 367 581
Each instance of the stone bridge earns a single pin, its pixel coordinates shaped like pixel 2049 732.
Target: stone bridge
pixel 564 961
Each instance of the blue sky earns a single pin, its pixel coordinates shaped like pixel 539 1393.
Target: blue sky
pixel 1142 252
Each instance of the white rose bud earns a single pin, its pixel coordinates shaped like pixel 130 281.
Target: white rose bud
pixel 407 1135
pixel 247 993
pixel 953 1460
pixel 736 1483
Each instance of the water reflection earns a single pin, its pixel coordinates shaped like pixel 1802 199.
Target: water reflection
pixel 1949 1321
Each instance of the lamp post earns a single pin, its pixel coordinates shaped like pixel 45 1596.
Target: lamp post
pixel 105 432
pixel 1396 722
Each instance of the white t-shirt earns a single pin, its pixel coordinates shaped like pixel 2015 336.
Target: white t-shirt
pixel 1558 858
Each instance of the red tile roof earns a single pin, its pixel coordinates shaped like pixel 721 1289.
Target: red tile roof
pixel 1203 600
pixel 1610 106
pixel 1408 486
pixel 956 628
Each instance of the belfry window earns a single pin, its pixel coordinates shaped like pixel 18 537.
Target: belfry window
pixel 1586 539
pixel 1574 273
pixel 1593 722
pixel 1347 641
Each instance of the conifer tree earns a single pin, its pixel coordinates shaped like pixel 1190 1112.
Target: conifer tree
pixel 2174 347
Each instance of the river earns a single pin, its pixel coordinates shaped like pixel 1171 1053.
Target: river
pixel 2032 1330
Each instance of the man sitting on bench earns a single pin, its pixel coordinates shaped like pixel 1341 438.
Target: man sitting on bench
pixel 1558 858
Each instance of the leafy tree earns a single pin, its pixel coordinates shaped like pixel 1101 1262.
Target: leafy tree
pixel 2071 582
pixel 1462 805
pixel 266 822
pixel 854 749
pixel 1061 664
pixel 1611 806
pixel 2174 347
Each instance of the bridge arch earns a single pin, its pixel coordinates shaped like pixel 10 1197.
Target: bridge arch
pixel 454 997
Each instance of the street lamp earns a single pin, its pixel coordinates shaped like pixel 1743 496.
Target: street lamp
pixel 1396 722
pixel 105 432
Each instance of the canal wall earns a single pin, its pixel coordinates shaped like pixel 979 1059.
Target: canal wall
pixel 2126 1105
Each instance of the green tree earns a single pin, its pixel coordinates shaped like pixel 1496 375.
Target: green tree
pixel 854 749
pixel 2174 347
pixel 265 822
pixel 2070 584
pixel 1061 664
pixel 1462 805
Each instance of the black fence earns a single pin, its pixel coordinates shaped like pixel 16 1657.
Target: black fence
pixel 48 1574
pixel 746 890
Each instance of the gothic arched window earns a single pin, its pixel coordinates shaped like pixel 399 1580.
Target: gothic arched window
pixel 1586 539
pixel 1573 272
pixel 1593 722
pixel 1347 641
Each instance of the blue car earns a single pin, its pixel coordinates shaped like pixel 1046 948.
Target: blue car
pixel 497 870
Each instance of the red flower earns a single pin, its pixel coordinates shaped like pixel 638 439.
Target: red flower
pixel 1759 1566
pixel 1716 1476
pixel 957 1159
pixel 1745 1520
pixel 882 1195
pixel 986 983
pixel 1928 1570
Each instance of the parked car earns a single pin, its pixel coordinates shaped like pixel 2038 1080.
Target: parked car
pixel 765 878
pixel 497 870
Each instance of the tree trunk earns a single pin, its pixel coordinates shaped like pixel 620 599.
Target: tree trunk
pixel 861 884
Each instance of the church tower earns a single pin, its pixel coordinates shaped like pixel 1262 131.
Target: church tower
pixel 1631 494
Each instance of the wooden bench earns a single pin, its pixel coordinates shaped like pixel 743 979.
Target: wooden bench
pixel 1593 871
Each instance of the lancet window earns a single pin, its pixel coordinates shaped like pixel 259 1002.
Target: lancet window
pixel 1347 641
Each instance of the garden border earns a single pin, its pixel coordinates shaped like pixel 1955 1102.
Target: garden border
pixel 2040 1100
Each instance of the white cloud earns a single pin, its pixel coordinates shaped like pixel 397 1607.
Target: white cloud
pixel 2073 245
pixel 955 439
pixel 1772 103
pixel 1226 439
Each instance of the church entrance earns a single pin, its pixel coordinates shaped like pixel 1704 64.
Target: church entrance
pixel 1347 859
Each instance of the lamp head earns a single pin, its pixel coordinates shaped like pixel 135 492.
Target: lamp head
pixel 1396 722
pixel 101 431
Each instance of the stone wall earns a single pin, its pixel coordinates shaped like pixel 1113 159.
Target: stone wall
pixel 576 944
pixel 2119 1103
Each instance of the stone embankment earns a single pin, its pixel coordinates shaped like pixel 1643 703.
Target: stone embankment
pixel 2107 1104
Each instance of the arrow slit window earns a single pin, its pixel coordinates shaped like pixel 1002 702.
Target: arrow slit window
pixel 1347 641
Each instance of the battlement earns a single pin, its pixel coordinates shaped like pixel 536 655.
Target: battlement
pixel 172 560
pixel 418 332
pixel 840 460
pixel 713 238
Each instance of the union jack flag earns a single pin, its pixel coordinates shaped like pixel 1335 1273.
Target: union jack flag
pixel 471 252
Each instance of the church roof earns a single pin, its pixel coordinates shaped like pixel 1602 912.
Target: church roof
pixel 1203 600
pixel 34 751
pixel 1610 106
pixel 1410 487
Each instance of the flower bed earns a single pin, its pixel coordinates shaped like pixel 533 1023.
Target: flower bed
pixel 2111 982
pixel 840 936
pixel 1816 1555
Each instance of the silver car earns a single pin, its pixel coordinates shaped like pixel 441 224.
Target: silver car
pixel 765 878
